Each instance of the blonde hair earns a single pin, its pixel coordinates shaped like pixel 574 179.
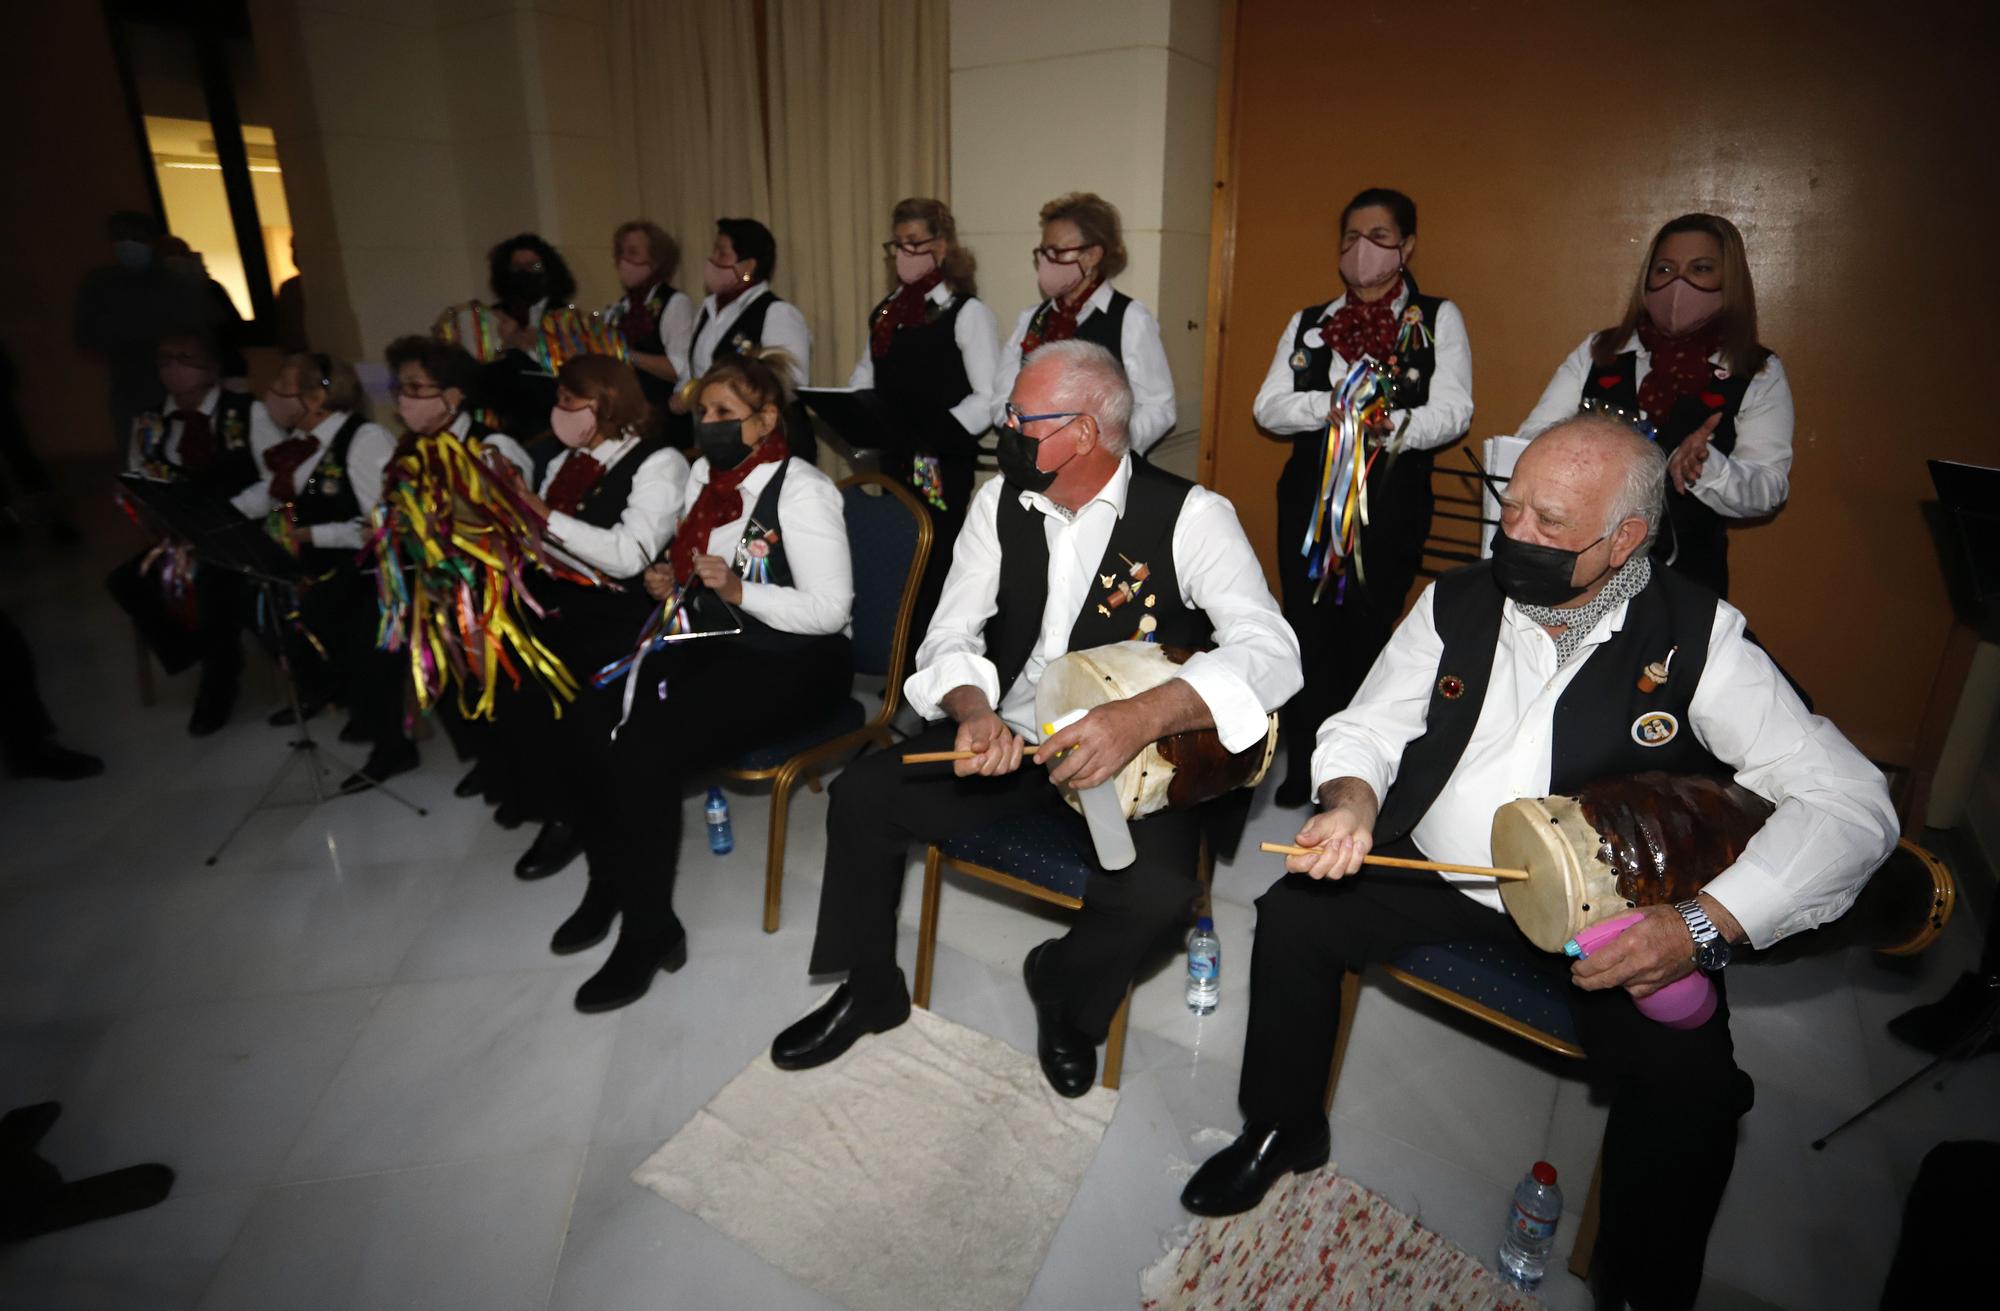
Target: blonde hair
pixel 665 251
pixel 761 377
pixel 958 264
pixel 1097 221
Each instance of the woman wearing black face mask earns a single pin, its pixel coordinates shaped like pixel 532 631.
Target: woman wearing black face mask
pixel 765 533
pixel 530 281
pixel 1684 364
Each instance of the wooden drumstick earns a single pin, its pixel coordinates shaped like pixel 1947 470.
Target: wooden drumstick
pixel 1397 862
pixel 935 757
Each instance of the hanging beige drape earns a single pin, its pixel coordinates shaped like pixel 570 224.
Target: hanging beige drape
pixel 859 119
pixel 688 121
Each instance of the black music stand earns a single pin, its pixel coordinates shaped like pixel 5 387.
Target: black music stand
pixel 223 539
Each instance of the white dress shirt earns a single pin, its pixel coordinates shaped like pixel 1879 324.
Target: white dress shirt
pixel 977 333
pixel 1833 825
pixel 659 489
pixel 676 327
pixel 1253 670
pixel 1751 480
pixel 368 456
pixel 1141 351
pixel 814 523
pixel 784 327
pixel 135 457
pixel 1440 420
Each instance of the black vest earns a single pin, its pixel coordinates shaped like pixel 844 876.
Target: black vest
pixel 1692 535
pixel 604 504
pixel 1142 538
pixel 1312 366
pixel 1107 328
pixel 328 494
pixel 1599 718
pixel 233 467
pixel 764 528
pixel 746 335
pixel 921 378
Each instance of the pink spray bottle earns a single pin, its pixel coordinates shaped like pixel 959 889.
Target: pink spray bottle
pixel 1686 1003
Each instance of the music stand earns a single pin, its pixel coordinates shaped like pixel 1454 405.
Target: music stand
pixel 223 539
pixel 856 415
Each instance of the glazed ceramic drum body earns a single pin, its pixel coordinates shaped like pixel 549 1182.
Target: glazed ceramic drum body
pixel 1622 842
pixel 1176 772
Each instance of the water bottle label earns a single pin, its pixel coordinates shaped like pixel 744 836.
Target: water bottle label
pixel 1532 1229
pixel 1201 966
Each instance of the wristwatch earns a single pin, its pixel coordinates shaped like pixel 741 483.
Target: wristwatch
pixel 1711 949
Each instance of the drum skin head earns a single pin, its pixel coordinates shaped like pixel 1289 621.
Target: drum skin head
pixel 1550 838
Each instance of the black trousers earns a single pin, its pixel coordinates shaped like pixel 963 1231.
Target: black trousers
pixel 212 639
pixel 1341 634
pixel 881 808
pixel 722 698
pixel 24 720
pixel 1676 1094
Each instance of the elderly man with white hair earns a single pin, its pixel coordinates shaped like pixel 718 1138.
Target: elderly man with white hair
pixel 1043 549
pixel 1521 677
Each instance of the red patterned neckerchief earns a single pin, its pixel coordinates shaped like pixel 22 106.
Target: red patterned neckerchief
pixel 1056 320
pixel 721 502
pixel 906 309
pixel 197 448
pixel 1679 367
pixel 641 320
pixel 580 472
pixel 284 459
pixel 1364 327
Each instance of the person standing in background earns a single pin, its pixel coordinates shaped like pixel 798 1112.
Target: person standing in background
pixel 742 314
pixel 122 310
pixel 656 320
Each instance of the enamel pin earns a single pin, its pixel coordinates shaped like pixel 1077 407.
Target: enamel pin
pixel 1655 728
pixel 1654 677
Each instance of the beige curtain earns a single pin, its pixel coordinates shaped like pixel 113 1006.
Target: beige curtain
pixel 859 119
pixel 687 119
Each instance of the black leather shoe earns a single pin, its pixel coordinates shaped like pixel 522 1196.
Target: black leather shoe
pixel 1236 1178
pixel 1069 1059
pixel 1937 1027
pixel 388 759
pixel 588 923
pixel 48 758
pixel 509 815
pixel 629 973
pixel 833 1028
pixel 554 848
pixel 355 731
pixel 1292 794
pixel 473 784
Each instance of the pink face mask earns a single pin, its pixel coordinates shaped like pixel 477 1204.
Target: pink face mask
pixel 185 379
pixel 423 415
pixel 285 411
pixel 573 428
pixel 1056 280
pixel 1364 264
pixel 1680 307
pixel 914 268
pixel 718 278
pixel 633 275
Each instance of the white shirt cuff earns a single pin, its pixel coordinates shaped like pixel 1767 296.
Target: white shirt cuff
pixel 1240 719
pixel 927 687
pixel 1756 898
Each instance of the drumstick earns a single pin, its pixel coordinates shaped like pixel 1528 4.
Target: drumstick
pixel 1397 862
pixel 934 757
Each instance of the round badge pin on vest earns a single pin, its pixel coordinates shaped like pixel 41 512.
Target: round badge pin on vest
pixel 1655 728
pixel 1298 359
pixel 1451 687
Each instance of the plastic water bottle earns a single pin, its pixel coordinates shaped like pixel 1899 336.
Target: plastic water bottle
pixel 1103 813
pixel 1204 986
pixel 721 838
pixel 1531 1228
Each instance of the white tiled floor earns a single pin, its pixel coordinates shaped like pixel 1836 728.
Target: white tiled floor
pixel 351 1041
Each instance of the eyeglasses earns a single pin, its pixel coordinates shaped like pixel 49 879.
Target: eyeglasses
pixel 416 391
pixel 1059 254
pixel 908 247
pixel 1018 421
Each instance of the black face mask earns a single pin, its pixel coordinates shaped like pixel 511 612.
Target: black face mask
pixel 1528 574
pixel 1017 453
pixel 527 285
pixel 722 443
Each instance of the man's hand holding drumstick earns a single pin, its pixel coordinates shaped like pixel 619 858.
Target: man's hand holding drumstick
pixel 996 749
pixel 1341 833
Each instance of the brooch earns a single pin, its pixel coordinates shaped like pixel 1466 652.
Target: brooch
pixel 1120 591
pixel 1451 687
pixel 1655 728
pixel 1299 359
pixel 1654 676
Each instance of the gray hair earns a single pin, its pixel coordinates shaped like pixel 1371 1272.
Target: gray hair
pixel 1642 493
pixel 1090 380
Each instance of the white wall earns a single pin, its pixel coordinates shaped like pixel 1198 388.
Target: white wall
pixel 1112 96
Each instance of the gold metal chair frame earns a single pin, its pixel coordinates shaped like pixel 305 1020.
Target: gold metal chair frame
pixel 807 764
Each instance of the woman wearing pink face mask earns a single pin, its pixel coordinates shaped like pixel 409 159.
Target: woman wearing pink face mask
pixel 1380 316
pixel 1685 364
pixel 1082 250
pixel 742 314
pixel 658 322
pixel 933 350
pixel 612 498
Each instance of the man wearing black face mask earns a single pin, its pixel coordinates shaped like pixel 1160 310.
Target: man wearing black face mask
pixel 1565 659
pixel 1074 522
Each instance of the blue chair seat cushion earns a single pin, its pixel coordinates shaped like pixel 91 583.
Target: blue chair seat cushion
pixel 1038 847
pixel 1501 976
pixel 851 715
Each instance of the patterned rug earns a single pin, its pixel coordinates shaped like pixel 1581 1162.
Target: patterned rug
pixel 927 1168
pixel 1321 1241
